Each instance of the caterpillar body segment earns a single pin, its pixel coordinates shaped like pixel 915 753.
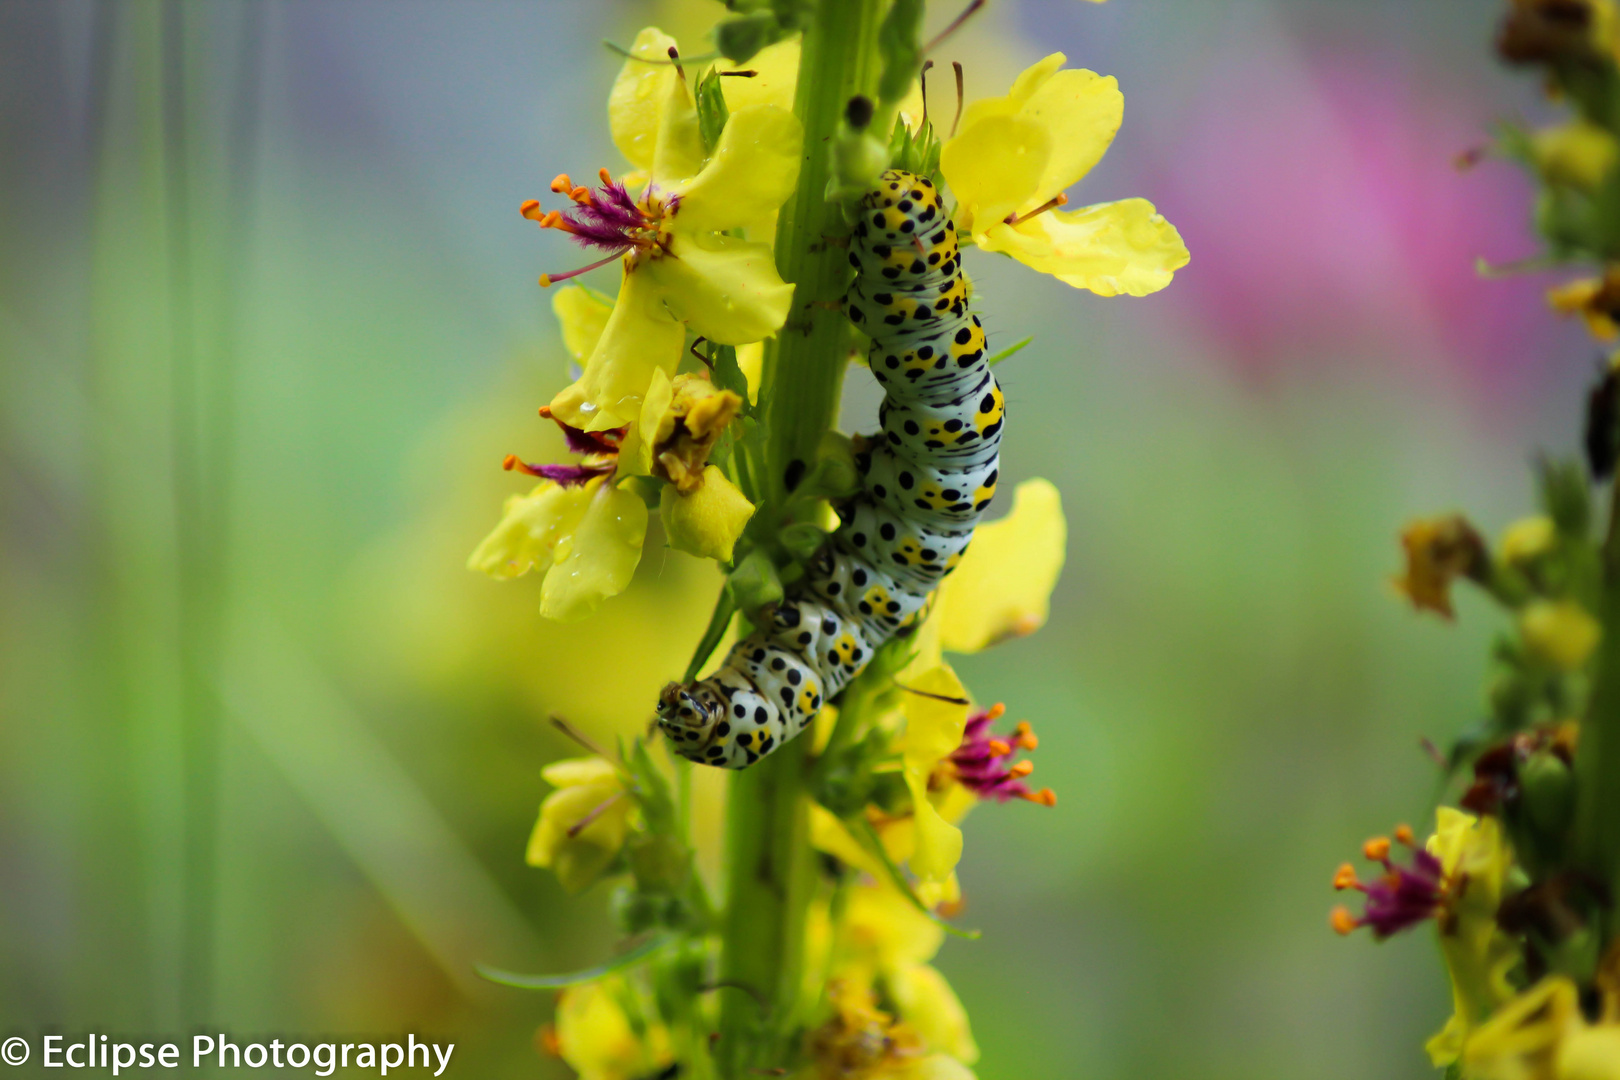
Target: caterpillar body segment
pixel 926 478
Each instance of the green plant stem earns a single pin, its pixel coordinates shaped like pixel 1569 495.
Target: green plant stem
pixel 770 864
pixel 1597 760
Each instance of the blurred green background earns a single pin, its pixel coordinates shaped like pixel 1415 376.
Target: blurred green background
pixel 268 322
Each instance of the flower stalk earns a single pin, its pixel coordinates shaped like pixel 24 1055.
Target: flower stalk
pixel 770 863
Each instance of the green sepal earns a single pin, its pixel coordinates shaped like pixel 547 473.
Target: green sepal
pixel 711 109
pixel 651 790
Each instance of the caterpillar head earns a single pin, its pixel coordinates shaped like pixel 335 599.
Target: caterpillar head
pixel 687 713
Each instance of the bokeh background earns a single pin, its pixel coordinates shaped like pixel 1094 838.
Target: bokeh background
pixel 268 322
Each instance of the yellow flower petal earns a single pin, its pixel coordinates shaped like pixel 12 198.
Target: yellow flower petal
pixel 1521 1039
pixel 531 526
pixel 637 99
pixel 751 359
pixel 939 843
pixel 933 730
pixel 579 859
pixel 725 289
pixel 597 1039
pixel 636 451
pixel 994 168
pixel 1590 1054
pixel 752 172
pixel 934 727
pixel 679 152
pixel 776 78
pixel 707 522
pixel 639 337
pixel 599 557
pixel 1579 154
pixel 582 316
pixel 1077 113
pixel 929 1005
pixel 1003 586
pixel 1111 248
pixel 883 931
pixel 572 772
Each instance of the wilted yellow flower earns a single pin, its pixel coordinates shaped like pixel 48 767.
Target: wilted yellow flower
pixel 708 520
pixel 1475 860
pixel 1527 539
pixel 583 823
pixel 583 538
pixel 1560 632
pixel 597 1038
pixel 680 266
pixel 1438 551
pixel 1014 156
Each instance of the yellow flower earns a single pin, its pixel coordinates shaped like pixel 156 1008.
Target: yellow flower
pixel 708 520
pixel 1438 551
pixel 1475 860
pixel 1560 632
pixel 1595 300
pixel 886 943
pixel 1014 156
pixel 1542 1035
pixel 597 1039
pixel 583 823
pixel 934 729
pixel 1527 540
pixel 680 266
pixel 585 539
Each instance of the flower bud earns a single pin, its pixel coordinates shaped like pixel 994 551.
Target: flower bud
pixel 1559 632
pixel 755 582
pixel 707 521
pixel 1547 793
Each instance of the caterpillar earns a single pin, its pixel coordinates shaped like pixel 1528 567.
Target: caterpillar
pixel 925 480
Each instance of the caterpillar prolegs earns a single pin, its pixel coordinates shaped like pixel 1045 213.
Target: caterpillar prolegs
pixel 926 478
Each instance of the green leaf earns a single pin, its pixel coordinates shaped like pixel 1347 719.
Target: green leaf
pixel 558 982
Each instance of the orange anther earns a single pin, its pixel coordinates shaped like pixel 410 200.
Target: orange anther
pixel 562 183
pixel 1062 198
pixel 531 210
pixel 1022 768
pixel 999 748
pixel 545 412
pixel 1045 796
pixel 580 194
pixel 1345 877
pixel 1027 740
pixel 1342 921
pixel 545 281
pixel 607 177
pixel 1376 849
pixel 995 711
pixel 509 462
pixel 1403 834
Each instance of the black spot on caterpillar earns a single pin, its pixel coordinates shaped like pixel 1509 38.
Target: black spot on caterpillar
pixel 925 481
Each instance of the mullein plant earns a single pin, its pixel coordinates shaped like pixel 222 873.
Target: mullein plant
pixel 706 393
pixel 1519 879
